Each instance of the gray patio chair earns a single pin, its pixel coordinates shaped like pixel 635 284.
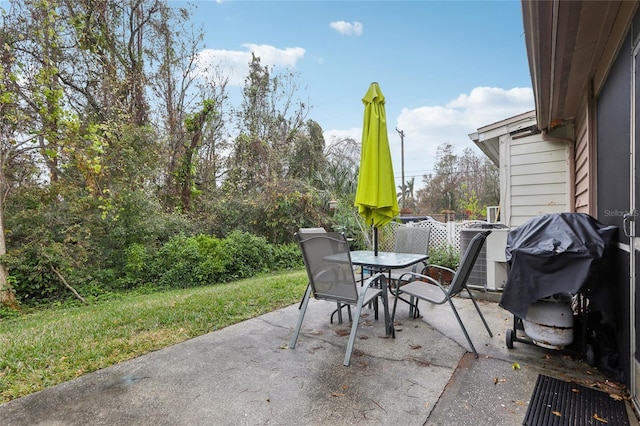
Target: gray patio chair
pixel 331 277
pixel 422 287
pixel 339 307
pixel 410 239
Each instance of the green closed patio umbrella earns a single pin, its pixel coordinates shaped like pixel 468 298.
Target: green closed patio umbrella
pixel 376 195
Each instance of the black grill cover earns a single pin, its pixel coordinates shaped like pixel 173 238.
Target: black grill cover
pixel 557 253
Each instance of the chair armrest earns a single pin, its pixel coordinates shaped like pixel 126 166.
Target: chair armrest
pixel 368 282
pixel 421 277
pixel 439 267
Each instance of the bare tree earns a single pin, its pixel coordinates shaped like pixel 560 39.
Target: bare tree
pixel 464 182
pixel 345 150
pixel 269 120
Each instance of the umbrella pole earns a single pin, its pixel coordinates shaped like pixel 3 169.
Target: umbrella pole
pixel 375 240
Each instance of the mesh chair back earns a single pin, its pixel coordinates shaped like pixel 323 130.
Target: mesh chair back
pixel 411 239
pixel 467 262
pixel 328 263
pixel 312 230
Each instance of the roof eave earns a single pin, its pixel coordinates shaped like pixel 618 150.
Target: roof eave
pixel 570 47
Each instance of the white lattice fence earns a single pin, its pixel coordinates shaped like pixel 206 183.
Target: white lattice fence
pixel 442 234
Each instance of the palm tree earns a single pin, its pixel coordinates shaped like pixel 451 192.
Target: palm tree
pixel 407 201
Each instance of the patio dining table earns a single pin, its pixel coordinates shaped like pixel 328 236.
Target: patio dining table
pixel 385 261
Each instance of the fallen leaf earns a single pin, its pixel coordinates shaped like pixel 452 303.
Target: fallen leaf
pixel 284 347
pixel 422 362
pixel 600 419
pixel 345 387
pixel 415 346
pixel 518 402
pixel 614 384
pixel 557 413
pixel 515 366
pixel 575 390
pixel 336 394
pixel 342 332
pixel 497 380
pixel 616 396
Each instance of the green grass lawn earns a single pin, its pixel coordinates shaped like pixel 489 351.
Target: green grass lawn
pixel 47 347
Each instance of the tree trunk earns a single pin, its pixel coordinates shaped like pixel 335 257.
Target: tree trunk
pixel 7 295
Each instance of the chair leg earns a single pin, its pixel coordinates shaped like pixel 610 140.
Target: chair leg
pixel 416 311
pixel 413 307
pixel 302 300
pixel 352 335
pixel 473 299
pixel 375 308
pixel 464 330
pixel 393 313
pixel 338 311
pixel 303 310
pixel 389 329
pixel 412 302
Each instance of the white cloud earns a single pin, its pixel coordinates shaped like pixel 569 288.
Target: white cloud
pixel 347 28
pixel 235 63
pixel 427 127
pixel 487 105
pixel 270 55
pixel 353 133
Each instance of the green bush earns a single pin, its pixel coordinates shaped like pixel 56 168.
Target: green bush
pixel 250 255
pixel 181 261
pixel 188 262
pixel 286 256
pixel 447 257
pixel 136 266
pixel 214 260
pixel 202 259
pixel 32 278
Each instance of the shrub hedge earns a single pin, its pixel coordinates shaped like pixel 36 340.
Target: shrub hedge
pixel 181 262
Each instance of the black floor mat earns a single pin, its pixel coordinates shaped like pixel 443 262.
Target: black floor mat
pixel 556 402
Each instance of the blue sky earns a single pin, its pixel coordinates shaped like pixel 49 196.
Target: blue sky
pixel 445 67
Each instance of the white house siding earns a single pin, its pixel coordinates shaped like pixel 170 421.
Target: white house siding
pixel 583 162
pixel 539 176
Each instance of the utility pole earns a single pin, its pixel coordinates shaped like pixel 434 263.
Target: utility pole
pixel 401 133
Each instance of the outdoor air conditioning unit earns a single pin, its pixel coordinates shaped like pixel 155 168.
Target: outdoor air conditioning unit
pixel 493 214
pixel 490 271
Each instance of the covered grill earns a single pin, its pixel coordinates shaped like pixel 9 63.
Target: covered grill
pixel 555 258
pixel 555 254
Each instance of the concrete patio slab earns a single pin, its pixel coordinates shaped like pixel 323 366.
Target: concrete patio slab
pixel 245 374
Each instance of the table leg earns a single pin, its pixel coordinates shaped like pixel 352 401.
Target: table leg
pixel 388 326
